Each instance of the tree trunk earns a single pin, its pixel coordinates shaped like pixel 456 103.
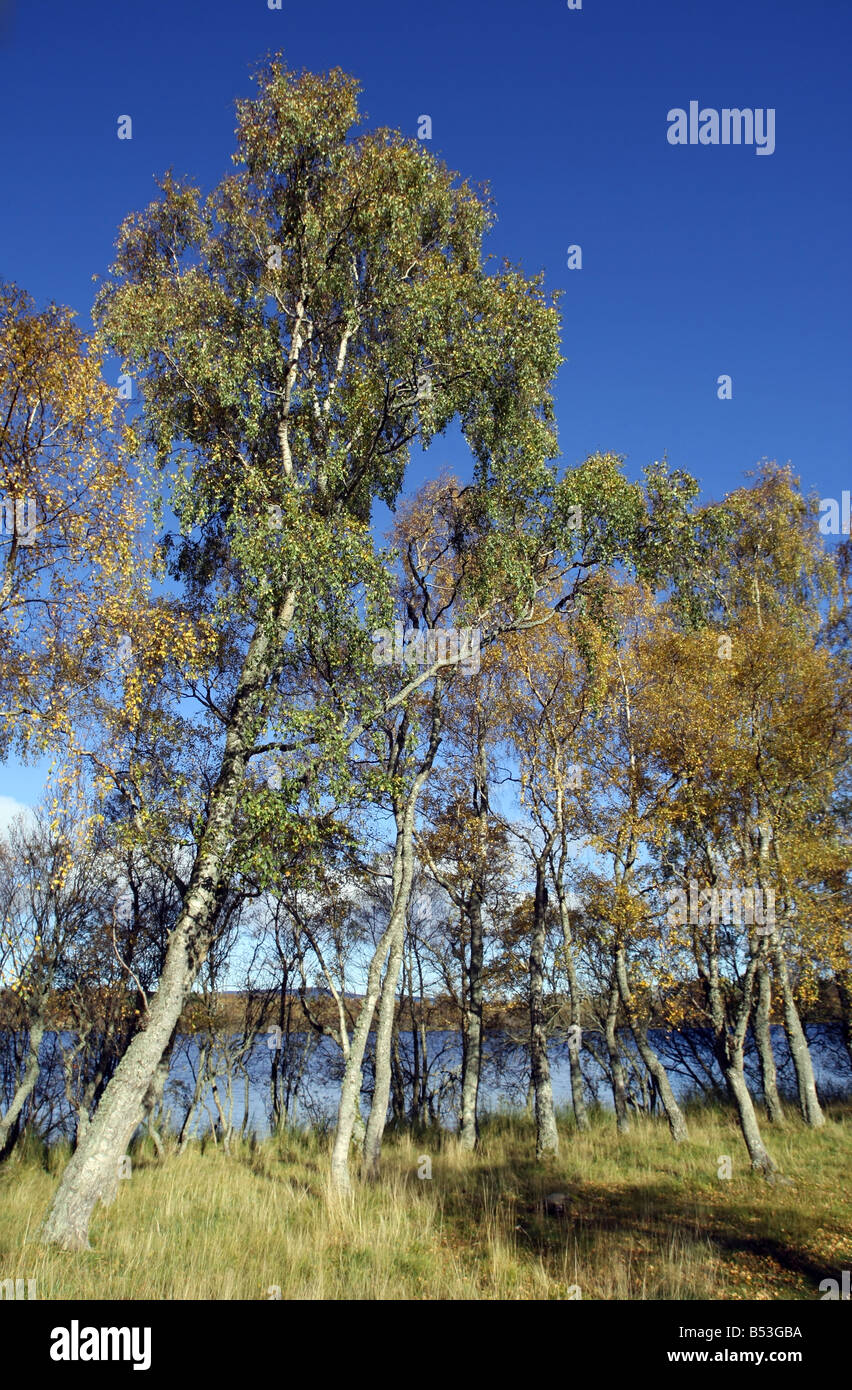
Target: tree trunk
pixel 843 980
pixel 384 1038
pixel 403 879
pixel 398 1107
pixel 472 1050
pixel 348 1107
pixel 546 1133
pixel 392 939
pixel 92 1172
pixel 575 1038
pixel 728 1043
pixel 674 1114
pixel 472 1069
pixel 224 1125
pixel 734 1075
pixel 616 1067
pixel 154 1096
pixel 799 1050
pixel 277 1053
pixel 200 1081
pixel 24 1089
pixel 558 870
pixel 418 1055
pixel 578 1100
pixel 763 1038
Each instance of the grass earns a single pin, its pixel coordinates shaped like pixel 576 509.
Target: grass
pixel 646 1219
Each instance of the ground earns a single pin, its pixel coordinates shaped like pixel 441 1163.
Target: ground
pixel 646 1219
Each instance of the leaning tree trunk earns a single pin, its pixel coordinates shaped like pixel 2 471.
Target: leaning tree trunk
pixel 93 1170
pixel 763 1039
pixel 616 1067
pixel 728 1044
pixel 24 1089
pixel 735 1077
pixel 546 1133
pixel 799 1050
pixel 674 1114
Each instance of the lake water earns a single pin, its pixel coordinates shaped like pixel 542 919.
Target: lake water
pixel 244 1091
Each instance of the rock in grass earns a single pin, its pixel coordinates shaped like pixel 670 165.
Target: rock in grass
pixel 557 1203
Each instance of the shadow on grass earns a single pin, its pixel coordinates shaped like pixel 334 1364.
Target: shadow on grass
pixel 643 1217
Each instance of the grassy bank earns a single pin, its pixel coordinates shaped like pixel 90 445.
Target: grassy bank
pixel 645 1219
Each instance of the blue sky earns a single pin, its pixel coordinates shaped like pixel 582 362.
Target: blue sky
pixel 697 260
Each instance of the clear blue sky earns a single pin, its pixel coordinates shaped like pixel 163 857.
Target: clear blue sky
pixel 697 260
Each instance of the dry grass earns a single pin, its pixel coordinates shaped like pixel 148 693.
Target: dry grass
pixel 646 1220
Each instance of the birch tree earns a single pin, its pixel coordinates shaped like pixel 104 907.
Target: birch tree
pixel 293 334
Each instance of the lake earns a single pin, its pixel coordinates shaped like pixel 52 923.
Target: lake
pixel 313 1067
